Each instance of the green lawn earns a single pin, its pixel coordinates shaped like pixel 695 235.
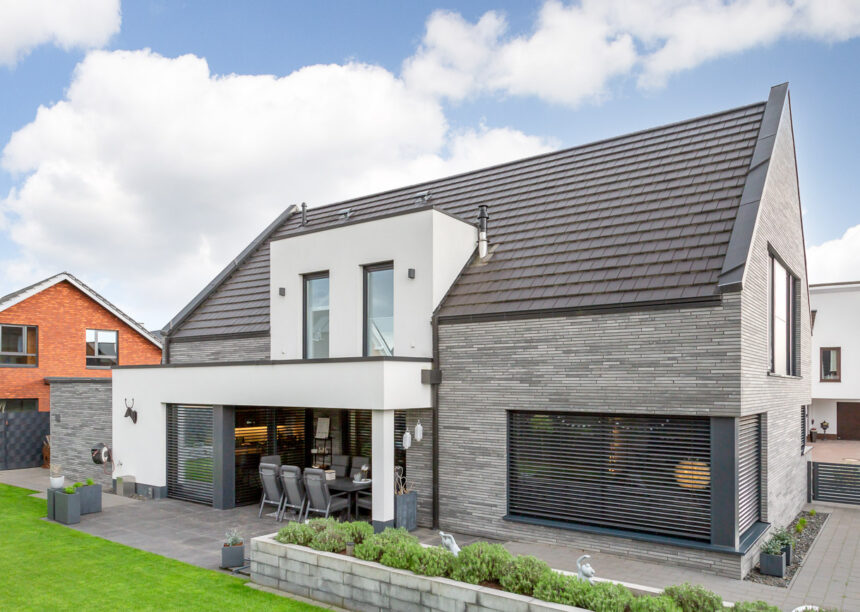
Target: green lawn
pixel 47 566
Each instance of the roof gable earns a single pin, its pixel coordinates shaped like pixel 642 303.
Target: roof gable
pixel 16 297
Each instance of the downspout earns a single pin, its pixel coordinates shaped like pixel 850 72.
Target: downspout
pixel 434 403
pixel 165 345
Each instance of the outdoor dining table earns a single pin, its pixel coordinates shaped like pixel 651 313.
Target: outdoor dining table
pixel 349 486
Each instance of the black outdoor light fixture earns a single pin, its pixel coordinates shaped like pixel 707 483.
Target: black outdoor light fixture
pixel 411 273
pixel 282 291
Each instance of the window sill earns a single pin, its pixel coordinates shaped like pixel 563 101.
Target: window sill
pixel 788 376
pixel 830 381
pixel 18 365
pixel 99 367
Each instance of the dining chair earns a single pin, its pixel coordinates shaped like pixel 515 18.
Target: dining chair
pixel 320 500
pixel 295 495
pixel 340 465
pixel 357 462
pixel 272 493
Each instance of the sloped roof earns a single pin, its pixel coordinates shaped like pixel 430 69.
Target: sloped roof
pixel 641 218
pixel 16 297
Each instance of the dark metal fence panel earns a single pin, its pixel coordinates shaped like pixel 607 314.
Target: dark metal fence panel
pixel 643 473
pixel 749 471
pixel 190 468
pixel 21 446
pixel 836 482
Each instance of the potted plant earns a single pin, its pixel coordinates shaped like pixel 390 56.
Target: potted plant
pixel 91 496
pixel 67 506
pixel 57 478
pixel 233 551
pixel 824 426
pixel 772 559
pixel 405 502
pixel 787 542
pixel 813 435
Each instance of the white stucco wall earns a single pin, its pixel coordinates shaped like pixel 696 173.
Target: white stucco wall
pixel 436 245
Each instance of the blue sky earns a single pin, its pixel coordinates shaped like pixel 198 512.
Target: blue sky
pixel 112 224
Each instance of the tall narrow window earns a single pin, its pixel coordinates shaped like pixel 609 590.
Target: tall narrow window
pixel 831 358
pixel 19 345
pixel 379 310
pixel 782 329
pixel 102 348
pixel 316 316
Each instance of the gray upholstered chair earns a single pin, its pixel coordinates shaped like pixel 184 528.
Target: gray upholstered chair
pixel 363 501
pixel 340 465
pixel 293 486
pixel 320 500
pixel 273 459
pixel 272 493
pixel 357 462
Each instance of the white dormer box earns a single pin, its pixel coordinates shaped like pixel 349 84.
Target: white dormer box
pixel 365 288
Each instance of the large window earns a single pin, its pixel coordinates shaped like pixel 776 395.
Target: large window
pixel 316 324
pixel 379 310
pixel 831 364
pixel 782 328
pixel 102 349
pixel 644 473
pixel 19 345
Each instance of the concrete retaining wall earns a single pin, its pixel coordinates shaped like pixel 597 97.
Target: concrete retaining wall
pixel 354 584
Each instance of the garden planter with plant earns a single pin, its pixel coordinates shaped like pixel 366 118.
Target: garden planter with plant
pixel 67 506
pixel 233 551
pixel 772 560
pixel 406 511
pixel 91 496
pixel 787 542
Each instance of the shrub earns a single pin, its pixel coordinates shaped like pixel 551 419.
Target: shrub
pixel 433 561
pixel 608 597
pixel 401 553
pixel 801 525
pixel 70 490
pixel 812 512
pixel 772 547
pixel 695 598
pixel 329 540
pixel 783 537
pixel 754 606
pixel 372 547
pixel 296 533
pixel 321 524
pixel 661 603
pixel 522 574
pixel 90 482
pixel 562 589
pixel 232 537
pixel 480 562
pixel 78 485
pixel 356 532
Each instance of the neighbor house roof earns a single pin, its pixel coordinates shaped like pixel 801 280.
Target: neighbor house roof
pixel 638 219
pixel 16 297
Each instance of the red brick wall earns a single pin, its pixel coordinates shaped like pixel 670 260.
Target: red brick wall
pixel 63 314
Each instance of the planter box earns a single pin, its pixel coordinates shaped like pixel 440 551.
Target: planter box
pixel 788 553
pixel 406 511
pixel 232 556
pixel 772 565
pixel 51 494
pixel 67 508
pixel 91 498
pixel 351 583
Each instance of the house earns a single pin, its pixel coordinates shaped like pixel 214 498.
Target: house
pixel 56 330
pixel 836 373
pixel 606 346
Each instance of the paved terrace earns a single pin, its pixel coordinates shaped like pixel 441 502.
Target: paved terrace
pixel 193 533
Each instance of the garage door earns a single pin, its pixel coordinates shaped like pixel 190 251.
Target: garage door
pixel 848 420
pixel 190 470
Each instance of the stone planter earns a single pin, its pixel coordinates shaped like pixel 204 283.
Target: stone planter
pixel 67 507
pixel 354 584
pixel 91 498
pixel 406 511
pixel 232 556
pixel 772 565
pixel 788 553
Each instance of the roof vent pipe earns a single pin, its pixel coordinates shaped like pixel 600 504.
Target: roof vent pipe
pixel 483 217
pixel 304 214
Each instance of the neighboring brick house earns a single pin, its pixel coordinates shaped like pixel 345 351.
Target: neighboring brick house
pixel 618 362
pixel 58 328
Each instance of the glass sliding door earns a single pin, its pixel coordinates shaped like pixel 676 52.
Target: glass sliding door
pixel 316 324
pixel 379 310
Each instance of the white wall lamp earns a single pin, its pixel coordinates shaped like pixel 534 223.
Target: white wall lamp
pixel 407 437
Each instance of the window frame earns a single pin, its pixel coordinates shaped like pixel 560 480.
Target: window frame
pixel 792 323
pixel 96 356
pixel 367 269
pixel 26 353
pixel 838 350
pixel 305 279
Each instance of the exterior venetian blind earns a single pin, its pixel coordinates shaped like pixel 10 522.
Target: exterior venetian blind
pixel 643 473
pixel 189 453
pixel 803 419
pixel 749 471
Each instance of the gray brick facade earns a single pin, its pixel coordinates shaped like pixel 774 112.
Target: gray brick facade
pixel 223 349
pixel 419 464
pixel 80 418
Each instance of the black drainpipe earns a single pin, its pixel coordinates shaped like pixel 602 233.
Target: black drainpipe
pixel 434 402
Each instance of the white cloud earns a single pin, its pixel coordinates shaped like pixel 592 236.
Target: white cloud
pixel 835 260
pixel 26 24
pixel 152 172
pixel 575 51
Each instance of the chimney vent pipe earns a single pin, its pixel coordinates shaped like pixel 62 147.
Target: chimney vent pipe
pixel 483 217
pixel 304 214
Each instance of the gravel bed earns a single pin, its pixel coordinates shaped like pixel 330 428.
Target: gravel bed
pixel 814 523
